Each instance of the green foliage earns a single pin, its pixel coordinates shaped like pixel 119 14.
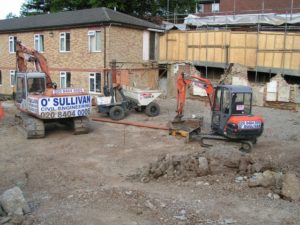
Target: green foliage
pixel 138 8
pixel 11 16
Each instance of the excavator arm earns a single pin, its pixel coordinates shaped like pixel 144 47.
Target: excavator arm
pixel 182 82
pixel 25 54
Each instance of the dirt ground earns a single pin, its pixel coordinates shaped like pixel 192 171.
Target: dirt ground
pixel 86 179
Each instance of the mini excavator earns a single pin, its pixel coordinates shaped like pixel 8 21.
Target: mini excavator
pixel 40 101
pixel 231 106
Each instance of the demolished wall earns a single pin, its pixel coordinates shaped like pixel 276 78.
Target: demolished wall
pixel 276 94
pixel 236 74
pixel 279 94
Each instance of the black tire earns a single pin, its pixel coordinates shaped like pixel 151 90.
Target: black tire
pixel 246 147
pixel 152 109
pixel 254 141
pixel 116 113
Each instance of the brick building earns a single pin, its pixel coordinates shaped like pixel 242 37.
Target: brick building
pixel 228 7
pixel 78 45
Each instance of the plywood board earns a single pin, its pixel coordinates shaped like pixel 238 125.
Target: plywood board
pixel 237 56
pixel 210 45
pixel 251 57
pixel 162 47
pixel 279 43
pixel 295 62
pixel 284 93
pixel 251 40
pixel 237 40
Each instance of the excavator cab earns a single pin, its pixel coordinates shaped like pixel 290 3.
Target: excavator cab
pixel 33 83
pixel 232 113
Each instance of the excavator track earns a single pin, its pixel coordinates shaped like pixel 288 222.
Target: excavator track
pixel 246 145
pixel 31 127
pixel 81 125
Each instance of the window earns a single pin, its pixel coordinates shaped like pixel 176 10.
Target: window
pixel 12 44
pixel 217 101
pixel 146 35
pixel 226 101
pixel 94 41
pixel 65 79
pixel 64 42
pixel 148 45
pixel 200 8
pixel 0 78
pixel 95 82
pixel 241 103
pixel 215 7
pixel 36 85
pixel 12 77
pixel 20 90
pixel 39 42
pixel 152 46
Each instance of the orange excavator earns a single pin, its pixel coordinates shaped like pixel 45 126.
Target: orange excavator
pixel 40 101
pixel 231 106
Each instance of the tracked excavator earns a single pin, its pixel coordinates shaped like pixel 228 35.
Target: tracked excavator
pixel 40 101
pixel 231 106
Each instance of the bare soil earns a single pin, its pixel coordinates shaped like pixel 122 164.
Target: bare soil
pixel 86 179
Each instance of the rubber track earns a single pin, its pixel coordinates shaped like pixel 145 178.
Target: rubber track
pixel 81 125
pixel 31 127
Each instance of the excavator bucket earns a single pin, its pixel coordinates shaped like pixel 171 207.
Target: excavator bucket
pixel 187 127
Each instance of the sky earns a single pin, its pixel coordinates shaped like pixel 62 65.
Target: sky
pixel 7 6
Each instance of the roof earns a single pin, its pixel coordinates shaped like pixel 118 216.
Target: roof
pixel 237 88
pixel 243 19
pixel 85 17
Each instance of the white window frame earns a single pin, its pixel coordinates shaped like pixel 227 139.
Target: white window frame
pixel 39 42
pixel 92 75
pixel 146 47
pixel 63 38
pixel 12 74
pixel 215 7
pixel 199 8
pixel 93 33
pixel 63 74
pixel 11 40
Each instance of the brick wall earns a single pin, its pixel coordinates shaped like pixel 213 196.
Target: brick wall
pixel 254 6
pixel 125 45
pixel 122 44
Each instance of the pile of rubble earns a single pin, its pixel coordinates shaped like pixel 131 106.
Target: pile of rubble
pixel 285 185
pixel 261 173
pixel 176 166
pixel 14 209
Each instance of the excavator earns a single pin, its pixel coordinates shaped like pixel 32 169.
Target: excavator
pixel 40 101
pixel 231 107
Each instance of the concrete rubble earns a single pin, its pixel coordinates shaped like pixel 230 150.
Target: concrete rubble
pixel 236 74
pixel 191 165
pixel 291 187
pixel 266 179
pixel 14 208
pixel 287 185
pixel 281 95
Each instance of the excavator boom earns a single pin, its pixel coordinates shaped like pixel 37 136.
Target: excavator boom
pixel 24 54
pixel 182 82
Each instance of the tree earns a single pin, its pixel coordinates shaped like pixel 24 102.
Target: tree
pixel 139 8
pixel 11 16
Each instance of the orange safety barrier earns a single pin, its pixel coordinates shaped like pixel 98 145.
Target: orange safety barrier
pixel 1 112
